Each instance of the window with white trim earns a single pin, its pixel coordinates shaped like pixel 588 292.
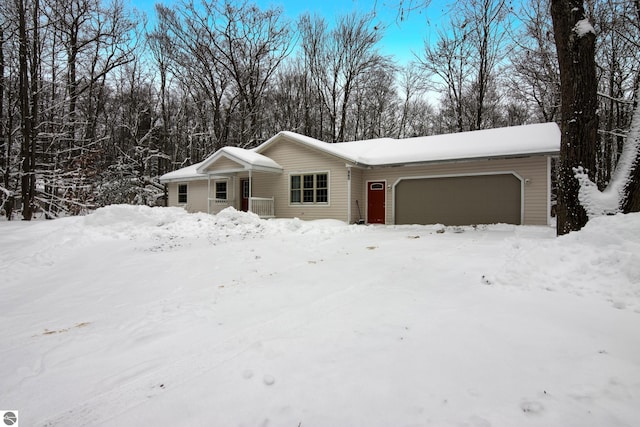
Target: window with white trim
pixel 182 193
pixel 221 190
pixel 312 188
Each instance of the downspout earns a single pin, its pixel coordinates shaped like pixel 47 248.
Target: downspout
pixel 348 194
pixel 549 165
pixel 209 193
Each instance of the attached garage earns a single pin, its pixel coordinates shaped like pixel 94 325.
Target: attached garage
pixel 459 200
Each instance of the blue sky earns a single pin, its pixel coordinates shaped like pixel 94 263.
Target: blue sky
pixel 401 37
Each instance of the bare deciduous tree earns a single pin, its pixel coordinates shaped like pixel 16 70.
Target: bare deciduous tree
pixel 336 59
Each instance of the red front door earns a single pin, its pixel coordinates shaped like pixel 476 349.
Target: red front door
pixel 376 197
pixel 244 185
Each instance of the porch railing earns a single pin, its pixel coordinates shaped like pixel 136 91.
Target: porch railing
pixel 264 207
pixel 218 204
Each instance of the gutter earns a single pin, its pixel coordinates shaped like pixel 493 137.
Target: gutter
pixel 463 160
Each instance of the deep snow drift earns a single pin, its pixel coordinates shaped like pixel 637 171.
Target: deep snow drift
pixel 138 316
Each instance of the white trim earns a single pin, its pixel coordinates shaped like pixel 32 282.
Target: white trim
pixel 209 194
pixel 320 172
pixel 549 164
pixel 366 199
pixel 226 189
pixel 183 179
pixel 212 197
pixel 250 194
pixel 348 166
pixel 460 175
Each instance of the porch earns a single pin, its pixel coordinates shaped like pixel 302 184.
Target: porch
pixel 230 172
pixel 264 207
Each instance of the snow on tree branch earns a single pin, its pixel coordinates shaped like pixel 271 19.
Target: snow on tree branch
pixel 583 27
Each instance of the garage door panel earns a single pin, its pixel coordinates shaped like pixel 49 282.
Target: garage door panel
pixel 483 199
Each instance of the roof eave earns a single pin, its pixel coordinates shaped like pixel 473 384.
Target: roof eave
pixel 464 159
pixel 267 169
pixel 182 179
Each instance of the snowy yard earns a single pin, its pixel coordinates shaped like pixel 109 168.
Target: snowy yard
pixel 135 316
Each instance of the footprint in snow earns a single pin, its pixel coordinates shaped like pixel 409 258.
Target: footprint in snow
pixel 269 380
pixel 531 407
pixel 487 280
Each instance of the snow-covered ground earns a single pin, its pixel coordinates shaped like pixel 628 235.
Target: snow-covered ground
pixel 134 316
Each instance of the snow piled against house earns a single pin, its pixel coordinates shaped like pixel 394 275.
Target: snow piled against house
pixel 152 316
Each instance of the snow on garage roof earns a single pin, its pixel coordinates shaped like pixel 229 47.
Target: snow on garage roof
pixel 542 138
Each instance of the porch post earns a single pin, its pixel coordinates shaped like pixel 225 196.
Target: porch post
pixel 348 194
pixel 209 193
pixel 250 194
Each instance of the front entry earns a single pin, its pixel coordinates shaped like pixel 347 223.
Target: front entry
pixel 376 198
pixel 244 185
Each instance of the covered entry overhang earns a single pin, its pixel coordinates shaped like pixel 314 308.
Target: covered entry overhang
pixel 467 199
pixel 229 163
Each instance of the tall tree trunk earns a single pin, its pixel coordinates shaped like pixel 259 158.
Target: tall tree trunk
pixel 25 115
pixel 4 162
pixel 35 99
pixel 575 43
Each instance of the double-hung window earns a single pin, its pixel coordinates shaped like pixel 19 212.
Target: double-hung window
pixel 311 188
pixel 182 194
pixel 221 190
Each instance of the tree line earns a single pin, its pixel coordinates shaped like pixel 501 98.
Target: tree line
pixel 97 101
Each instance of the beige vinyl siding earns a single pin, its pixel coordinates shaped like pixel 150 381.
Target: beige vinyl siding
pixel 358 194
pixel 196 195
pixel 296 158
pixel 172 194
pixel 533 170
pixel 222 164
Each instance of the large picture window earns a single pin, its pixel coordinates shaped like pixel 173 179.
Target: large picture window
pixel 310 188
pixel 221 190
pixel 182 193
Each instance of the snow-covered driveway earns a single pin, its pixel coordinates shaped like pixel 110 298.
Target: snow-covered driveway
pixel 136 316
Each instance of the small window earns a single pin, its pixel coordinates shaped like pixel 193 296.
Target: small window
pixel 182 193
pixel 377 186
pixel 221 190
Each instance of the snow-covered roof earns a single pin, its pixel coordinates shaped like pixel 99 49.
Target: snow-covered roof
pixel 247 159
pixel 184 174
pixel 542 138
